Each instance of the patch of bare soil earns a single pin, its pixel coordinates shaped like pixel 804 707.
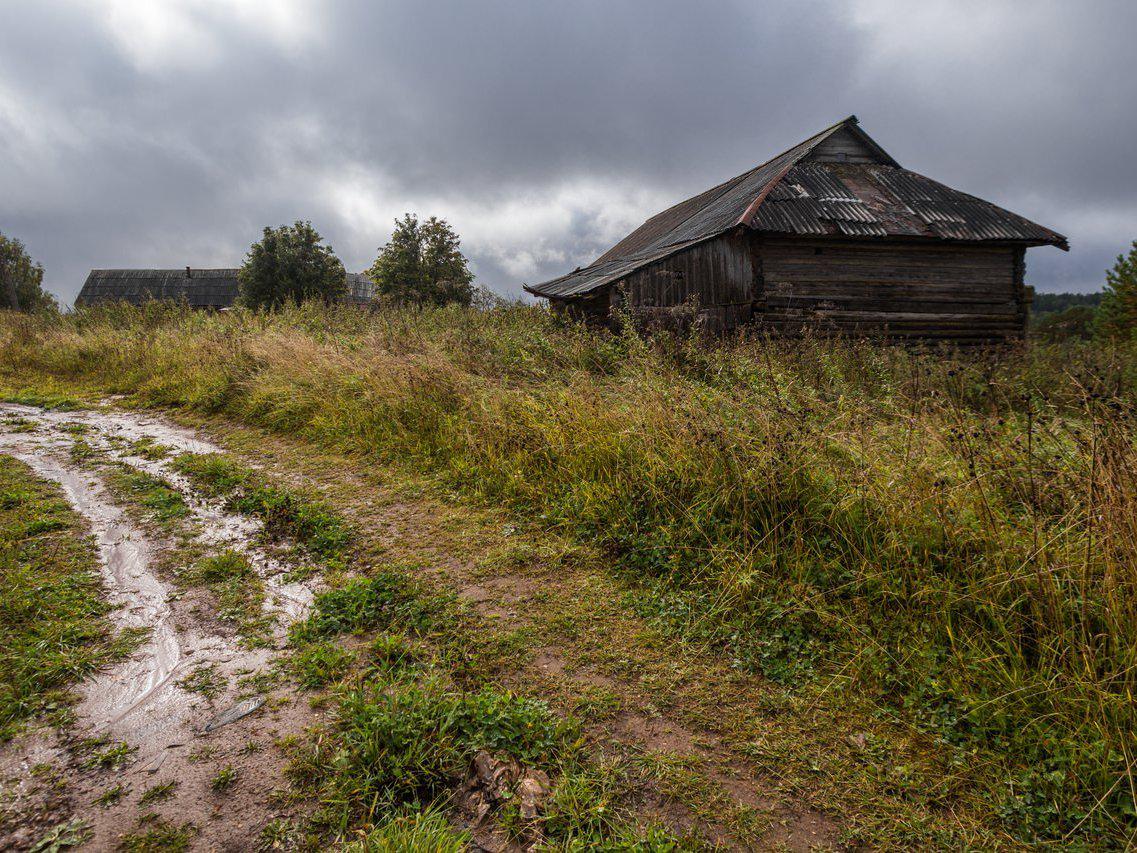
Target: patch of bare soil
pixel 157 721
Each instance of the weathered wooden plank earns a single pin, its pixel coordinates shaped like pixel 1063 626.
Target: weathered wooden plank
pixel 891 287
pixel 931 307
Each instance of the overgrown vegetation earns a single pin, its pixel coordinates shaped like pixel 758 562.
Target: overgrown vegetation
pixel 407 727
pixel 948 536
pixel 52 615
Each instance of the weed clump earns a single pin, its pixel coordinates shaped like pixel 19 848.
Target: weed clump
pixel 239 590
pixel 320 664
pixel 379 602
pixel 154 494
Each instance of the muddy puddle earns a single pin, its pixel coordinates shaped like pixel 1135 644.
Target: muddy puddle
pixel 180 734
pixel 139 700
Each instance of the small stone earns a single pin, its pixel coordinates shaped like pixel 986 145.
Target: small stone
pixel 532 791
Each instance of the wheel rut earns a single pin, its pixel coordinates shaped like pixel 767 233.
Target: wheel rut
pixel 141 701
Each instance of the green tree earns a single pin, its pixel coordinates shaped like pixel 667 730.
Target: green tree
pixel 290 264
pixel 1117 316
pixel 21 279
pixel 1076 321
pixel 423 263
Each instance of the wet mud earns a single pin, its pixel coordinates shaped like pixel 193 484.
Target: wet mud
pixel 142 701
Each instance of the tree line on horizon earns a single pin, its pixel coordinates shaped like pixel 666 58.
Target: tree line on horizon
pixel 1109 314
pixel 423 264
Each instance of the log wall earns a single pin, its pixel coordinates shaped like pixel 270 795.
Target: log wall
pixel 964 293
pixel 961 292
pixel 710 284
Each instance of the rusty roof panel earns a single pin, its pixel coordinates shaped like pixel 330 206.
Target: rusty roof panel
pixel 955 215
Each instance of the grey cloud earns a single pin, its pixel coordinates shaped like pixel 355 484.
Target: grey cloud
pixel 543 131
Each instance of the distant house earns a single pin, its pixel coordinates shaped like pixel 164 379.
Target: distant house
pixel 211 289
pixel 832 234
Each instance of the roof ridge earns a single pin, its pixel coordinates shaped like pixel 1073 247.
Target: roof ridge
pixel 807 146
pixel 811 141
pixel 709 196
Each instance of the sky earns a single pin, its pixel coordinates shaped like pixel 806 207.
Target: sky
pixel 166 133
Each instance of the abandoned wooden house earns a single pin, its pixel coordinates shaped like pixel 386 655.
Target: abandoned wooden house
pixel 214 289
pixel 832 234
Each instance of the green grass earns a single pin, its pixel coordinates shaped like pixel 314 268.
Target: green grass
pixel 40 399
pixel 944 538
pixel 416 830
pixel 104 754
pixel 161 501
pixel 157 835
pixel 158 793
pixel 285 513
pixel 239 590
pixel 225 779
pixel 320 664
pixel 52 614
pixel 148 448
pixel 204 680
pixel 112 795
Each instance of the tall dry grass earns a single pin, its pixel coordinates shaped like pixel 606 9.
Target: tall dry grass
pixel 953 536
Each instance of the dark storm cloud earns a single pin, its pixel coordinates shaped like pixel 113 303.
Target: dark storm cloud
pixel 135 133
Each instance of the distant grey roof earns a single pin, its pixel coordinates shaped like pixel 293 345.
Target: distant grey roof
pixel 216 288
pixel 799 192
pixel 202 288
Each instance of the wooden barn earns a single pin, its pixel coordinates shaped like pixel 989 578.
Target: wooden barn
pixel 832 234
pixel 214 289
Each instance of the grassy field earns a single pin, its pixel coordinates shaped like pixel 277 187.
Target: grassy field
pixel 946 540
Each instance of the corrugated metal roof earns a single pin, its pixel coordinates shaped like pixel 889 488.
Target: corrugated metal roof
pixel 213 288
pixel 794 195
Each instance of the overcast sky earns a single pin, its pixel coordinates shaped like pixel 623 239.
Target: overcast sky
pixel 163 133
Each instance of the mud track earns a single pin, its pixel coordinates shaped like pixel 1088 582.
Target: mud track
pixel 140 701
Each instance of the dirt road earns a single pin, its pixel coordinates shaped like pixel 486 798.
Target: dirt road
pixel 153 701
